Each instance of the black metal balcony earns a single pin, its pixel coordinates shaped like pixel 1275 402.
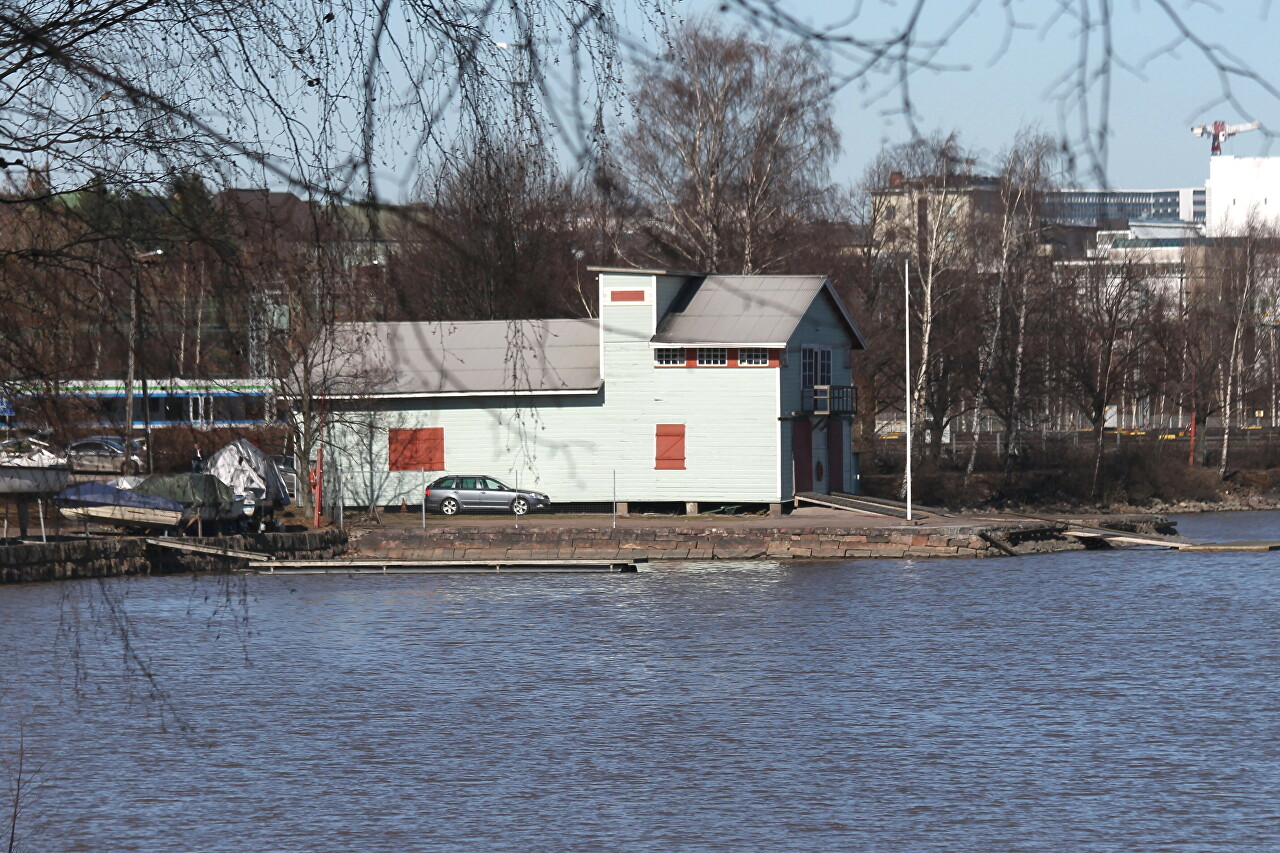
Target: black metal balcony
pixel 830 400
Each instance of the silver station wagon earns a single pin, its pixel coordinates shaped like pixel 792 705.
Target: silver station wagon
pixel 451 495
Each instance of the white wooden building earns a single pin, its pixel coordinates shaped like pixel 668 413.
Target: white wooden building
pixel 689 388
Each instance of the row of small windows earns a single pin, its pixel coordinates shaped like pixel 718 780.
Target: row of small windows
pixel 710 357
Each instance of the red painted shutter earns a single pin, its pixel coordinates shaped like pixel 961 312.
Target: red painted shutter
pixel 670 439
pixel 415 449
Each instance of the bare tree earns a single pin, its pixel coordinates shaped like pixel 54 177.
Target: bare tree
pixel 931 202
pixel 1228 309
pixel 730 148
pixel 1102 334
pixel 491 239
pixel 1013 250
pixel 313 98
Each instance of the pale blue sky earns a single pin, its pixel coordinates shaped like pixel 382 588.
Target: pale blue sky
pixel 986 95
pixel 990 81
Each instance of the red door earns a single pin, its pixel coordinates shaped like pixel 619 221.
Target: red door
pixel 802 454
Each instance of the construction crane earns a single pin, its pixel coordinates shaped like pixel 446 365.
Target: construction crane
pixel 1219 132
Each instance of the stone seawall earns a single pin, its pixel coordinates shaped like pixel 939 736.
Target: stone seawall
pixel 709 543
pixel 120 556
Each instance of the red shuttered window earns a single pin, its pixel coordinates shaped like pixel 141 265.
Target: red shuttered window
pixel 670 447
pixel 415 449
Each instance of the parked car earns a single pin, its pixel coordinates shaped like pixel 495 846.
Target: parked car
pixel 106 454
pixel 450 495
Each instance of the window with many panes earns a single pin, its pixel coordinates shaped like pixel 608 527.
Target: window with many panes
pixel 753 357
pixel 713 357
pixel 815 366
pixel 669 356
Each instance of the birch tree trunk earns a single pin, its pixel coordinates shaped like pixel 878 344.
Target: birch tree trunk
pixel 1233 363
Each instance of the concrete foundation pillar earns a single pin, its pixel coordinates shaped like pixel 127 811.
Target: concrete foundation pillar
pixel 775 509
pixel 621 508
pixel 691 508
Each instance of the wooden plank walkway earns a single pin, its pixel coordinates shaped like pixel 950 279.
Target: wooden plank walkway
pixel 1231 546
pixel 208 549
pixel 369 566
pixel 1112 537
pixel 868 506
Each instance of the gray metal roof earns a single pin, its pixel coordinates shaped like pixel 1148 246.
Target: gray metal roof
pixel 492 356
pixel 745 309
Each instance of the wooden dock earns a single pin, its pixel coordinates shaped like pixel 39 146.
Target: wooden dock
pixel 369 566
pixel 1115 537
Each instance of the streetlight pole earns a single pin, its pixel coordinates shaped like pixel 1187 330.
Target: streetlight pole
pixel 135 323
pixel 906 325
pixel 131 364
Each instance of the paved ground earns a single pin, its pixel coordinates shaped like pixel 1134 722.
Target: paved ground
pixel 803 517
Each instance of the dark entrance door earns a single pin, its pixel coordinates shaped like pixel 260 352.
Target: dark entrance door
pixel 802 454
pixel 835 455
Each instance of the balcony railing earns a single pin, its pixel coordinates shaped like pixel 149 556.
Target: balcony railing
pixel 830 400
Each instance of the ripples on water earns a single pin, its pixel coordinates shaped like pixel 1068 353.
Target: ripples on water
pixel 1084 701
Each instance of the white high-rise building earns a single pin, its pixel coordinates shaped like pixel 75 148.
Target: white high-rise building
pixel 1240 187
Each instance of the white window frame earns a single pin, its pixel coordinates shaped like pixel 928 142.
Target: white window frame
pixel 677 352
pixel 753 357
pixel 814 362
pixel 713 356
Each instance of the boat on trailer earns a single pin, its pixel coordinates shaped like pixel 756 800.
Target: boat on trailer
pixel 103 504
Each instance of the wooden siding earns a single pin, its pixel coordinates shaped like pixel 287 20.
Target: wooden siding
pixel 821 326
pixel 736 449
pixel 730 417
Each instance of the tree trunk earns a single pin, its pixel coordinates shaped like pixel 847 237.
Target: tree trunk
pixel 1095 488
pixel 1233 370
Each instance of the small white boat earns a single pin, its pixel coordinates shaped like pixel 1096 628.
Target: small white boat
pixel 28 467
pixel 125 516
pixel 104 504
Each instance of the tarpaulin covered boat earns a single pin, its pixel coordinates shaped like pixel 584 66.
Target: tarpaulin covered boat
pixel 29 467
pixel 203 496
pixel 99 502
pixel 252 475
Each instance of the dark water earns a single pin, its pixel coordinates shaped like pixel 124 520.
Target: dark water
pixel 1088 701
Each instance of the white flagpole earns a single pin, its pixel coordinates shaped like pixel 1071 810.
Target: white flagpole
pixel 906 322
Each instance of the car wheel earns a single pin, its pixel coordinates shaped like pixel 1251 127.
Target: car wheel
pixel 449 506
pixel 519 506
